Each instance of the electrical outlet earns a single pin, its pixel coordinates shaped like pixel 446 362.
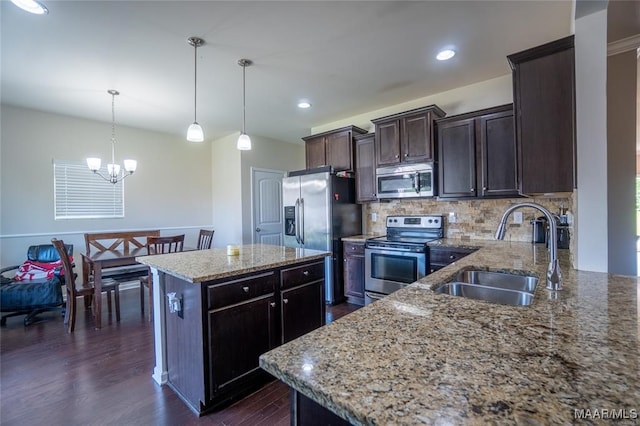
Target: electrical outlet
pixel 517 217
pixel 374 217
pixel 452 217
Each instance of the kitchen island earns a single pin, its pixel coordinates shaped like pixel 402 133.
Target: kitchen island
pixel 214 314
pixel 417 357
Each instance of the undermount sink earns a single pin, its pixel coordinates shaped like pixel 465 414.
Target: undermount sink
pixel 490 294
pixel 498 280
pixel 495 287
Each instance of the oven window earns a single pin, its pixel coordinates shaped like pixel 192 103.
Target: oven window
pixel 403 269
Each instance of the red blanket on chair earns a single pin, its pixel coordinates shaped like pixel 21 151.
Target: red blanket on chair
pixel 31 270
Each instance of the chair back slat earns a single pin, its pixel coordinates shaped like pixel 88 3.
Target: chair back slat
pixel 205 239
pixel 162 245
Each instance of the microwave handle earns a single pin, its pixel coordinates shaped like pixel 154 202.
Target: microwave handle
pixel 416 182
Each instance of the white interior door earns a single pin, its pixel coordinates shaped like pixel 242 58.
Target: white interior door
pixel 266 190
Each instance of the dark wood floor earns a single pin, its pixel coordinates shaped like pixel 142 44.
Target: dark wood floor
pixel 102 377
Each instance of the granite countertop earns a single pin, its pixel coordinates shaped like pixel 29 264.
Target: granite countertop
pixel 204 265
pixel 416 357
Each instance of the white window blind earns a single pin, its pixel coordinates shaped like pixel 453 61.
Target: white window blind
pixel 80 194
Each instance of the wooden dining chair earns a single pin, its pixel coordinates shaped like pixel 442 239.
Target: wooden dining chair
pixel 158 245
pixel 75 289
pixel 205 239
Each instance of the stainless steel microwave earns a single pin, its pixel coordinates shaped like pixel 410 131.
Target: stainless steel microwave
pixel 406 181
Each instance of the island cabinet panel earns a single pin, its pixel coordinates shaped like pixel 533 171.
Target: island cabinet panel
pixel 185 356
pixel 544 100
pixel 305 411
pixel 406 137
pixel 477 154
pixel 301 300
pixel 354 272
pixel 365 168
pixel 333 148
pixel 238 335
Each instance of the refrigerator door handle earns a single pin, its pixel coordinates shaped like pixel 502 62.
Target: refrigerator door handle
pixel 297 219
pixel 302 221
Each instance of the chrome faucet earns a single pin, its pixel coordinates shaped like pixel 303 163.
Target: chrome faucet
pixel 554 276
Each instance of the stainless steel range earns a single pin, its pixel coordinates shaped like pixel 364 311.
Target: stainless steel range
pixel 402 256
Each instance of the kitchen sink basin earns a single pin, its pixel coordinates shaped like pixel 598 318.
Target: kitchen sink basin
pixel 490 294
pixel 495 287
pixel 499 280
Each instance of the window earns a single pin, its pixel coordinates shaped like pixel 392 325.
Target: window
pixel 79 194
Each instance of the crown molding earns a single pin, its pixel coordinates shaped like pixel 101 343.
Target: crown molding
pixel 623 45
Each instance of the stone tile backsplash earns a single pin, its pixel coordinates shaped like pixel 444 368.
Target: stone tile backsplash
pixel 474 219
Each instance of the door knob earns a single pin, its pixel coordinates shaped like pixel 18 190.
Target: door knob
pixel 285 301
pixel 273 304
pixel 258 229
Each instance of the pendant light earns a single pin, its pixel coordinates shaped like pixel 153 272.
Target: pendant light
pixel 244 141
pixel 113 169
pixel 195 133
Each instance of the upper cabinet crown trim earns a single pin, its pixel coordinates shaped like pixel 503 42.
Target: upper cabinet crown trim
pixel 434 108
pixel 474 114
pixel 540 51
pixel 353 129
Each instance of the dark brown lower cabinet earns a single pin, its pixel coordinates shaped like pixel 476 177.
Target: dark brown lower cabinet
pixel 306 412
pixel 214 343
pixel 354 272
pixel 439 257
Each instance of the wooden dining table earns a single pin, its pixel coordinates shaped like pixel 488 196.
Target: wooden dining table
pixel 99 260
pixel 105 259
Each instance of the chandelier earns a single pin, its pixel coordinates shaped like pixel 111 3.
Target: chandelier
pixel 113 169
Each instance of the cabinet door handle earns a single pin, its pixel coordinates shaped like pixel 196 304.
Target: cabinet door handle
pixel 245 289
pixel 484 188
pixel 285 301
pixel 452 257
pixel 473 189
pixel 305 273
pixel 273 304
pixel 397 156
pixel 406 155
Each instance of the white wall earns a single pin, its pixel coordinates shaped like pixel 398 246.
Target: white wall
pixel 170 190
pixel 266 154
pixel 591 125
pixel 621 158
pixel 489 93
pixel 227 191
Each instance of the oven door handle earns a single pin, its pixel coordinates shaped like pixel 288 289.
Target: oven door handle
pixel 374 296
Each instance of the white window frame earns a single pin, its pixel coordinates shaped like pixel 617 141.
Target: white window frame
pixel 78 193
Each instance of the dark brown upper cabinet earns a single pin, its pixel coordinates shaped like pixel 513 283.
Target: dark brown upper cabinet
pixel 365 168
pixel 333 148
pixel 544 105
pixel 476 154
pixel 406 137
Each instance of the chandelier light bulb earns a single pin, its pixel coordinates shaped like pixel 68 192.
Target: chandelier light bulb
pixel 244 142
pixel 195 133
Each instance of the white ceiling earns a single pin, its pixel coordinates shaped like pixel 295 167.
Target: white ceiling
pixel 346 57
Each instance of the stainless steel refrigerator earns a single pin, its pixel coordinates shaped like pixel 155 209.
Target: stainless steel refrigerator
pixel 319 209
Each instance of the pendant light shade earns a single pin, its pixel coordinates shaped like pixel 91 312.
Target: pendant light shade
pixel 244 141
pixel 195 132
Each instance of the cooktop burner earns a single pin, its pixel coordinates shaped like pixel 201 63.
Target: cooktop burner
pixel 411 230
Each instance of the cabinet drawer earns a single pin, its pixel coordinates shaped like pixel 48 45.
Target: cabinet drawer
pixel 230 292
pixel 351 248
pixel 302 274
pixel 448 255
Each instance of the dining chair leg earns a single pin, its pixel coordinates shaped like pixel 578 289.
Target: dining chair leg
pixel 142 298
pixel 71 314
pixel 109 302
pixel 116 295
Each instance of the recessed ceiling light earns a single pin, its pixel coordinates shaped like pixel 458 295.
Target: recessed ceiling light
pixel 445 54
pixel 31 6
pixel 304 105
